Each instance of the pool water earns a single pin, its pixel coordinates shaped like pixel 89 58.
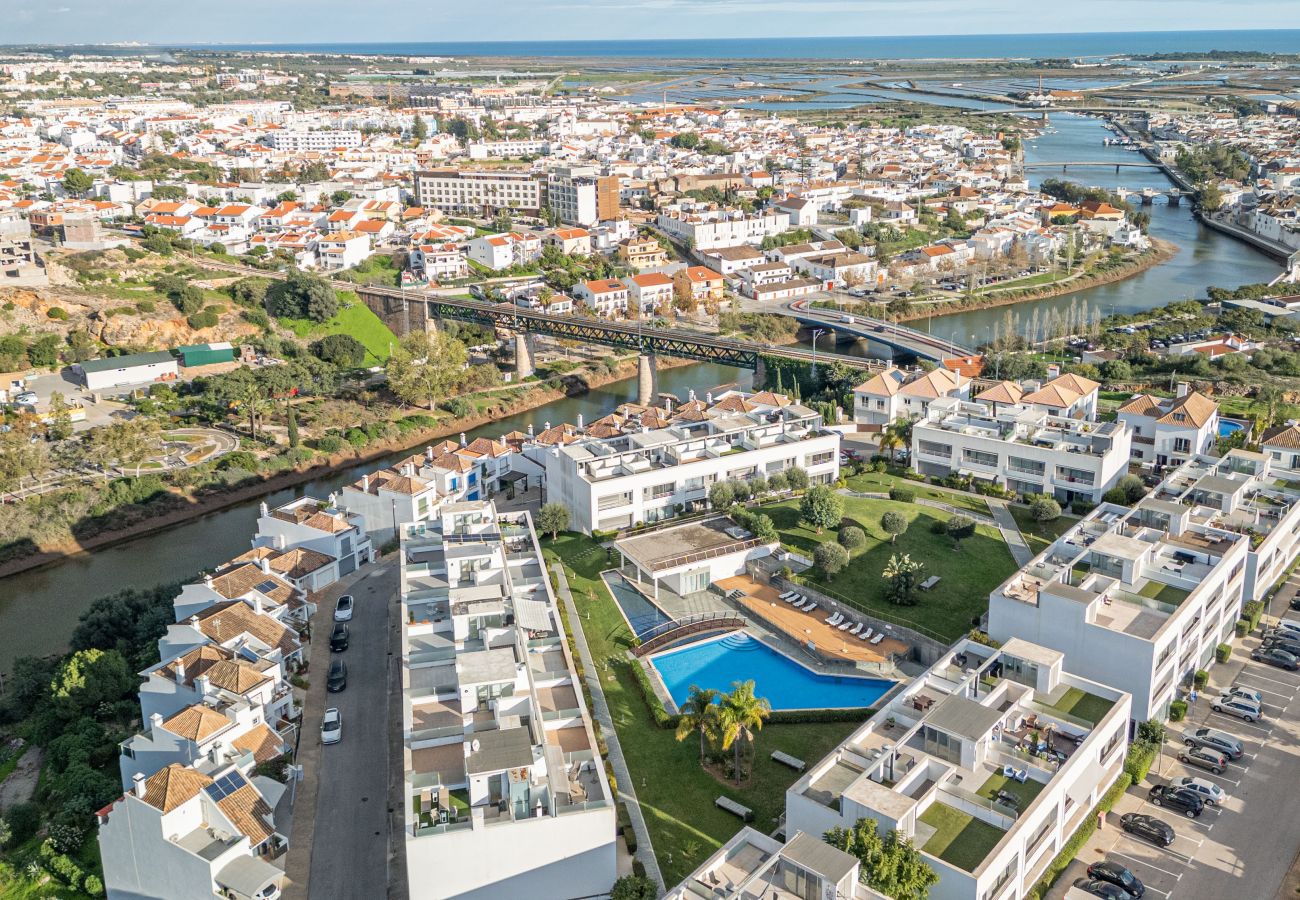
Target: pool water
pixel 786 684
pixel 642 615
pixel 1227 428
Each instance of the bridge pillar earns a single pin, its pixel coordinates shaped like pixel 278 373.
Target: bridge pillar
pixel 523 356
pixel 760 374
pixel 1175 198
pixel 431 325
pixel 646 377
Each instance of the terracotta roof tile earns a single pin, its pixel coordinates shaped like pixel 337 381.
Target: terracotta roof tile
pixel 168 788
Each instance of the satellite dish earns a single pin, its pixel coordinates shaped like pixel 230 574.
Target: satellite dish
pixel 473 745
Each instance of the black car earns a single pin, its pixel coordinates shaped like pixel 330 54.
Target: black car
pixel 337 679
pixel 339 637
pixel 1286 644
pixel 1099 888
pixel 1189 803
pixel 1275 657
pixel 1117 875
pixel 1295 602
pixel 1148 828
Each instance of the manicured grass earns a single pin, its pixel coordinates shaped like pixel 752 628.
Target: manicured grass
pixel 675 793
pixel 1082 705
pixel 1025 792
pixel 354 318
pixel 961 839
pixel 967 575
pixel 1039 535
pixel 1165 593
pixel 881 482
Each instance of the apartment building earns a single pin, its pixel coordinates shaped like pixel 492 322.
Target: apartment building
pixel 187 834
pixel 581 196
pixel 470 192
pixel 896 394
pixel 507 149
pixel 388 497
pixel 648 473
pixel 318 141
pixel 504 791
pixel 650 291
pixel 705 229
pixel 606 296
pixel 1137 597
pixel 641 253
pixel 752 864
pixel 438 262
pixel 311 543
pixel 929 764
pixel 1170 431
pixel 500 251
pixel 1022 448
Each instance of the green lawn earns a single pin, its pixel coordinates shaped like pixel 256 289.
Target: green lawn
pixel 1025 792
pixel 967 575
pixel 1039 535
pixel 1165 593
pixel 354 318
pixel 960 839
pixel 881 482
pixel 675 793
pixel 1082 705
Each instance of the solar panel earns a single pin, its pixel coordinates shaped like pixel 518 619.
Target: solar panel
pixel 266 587
pixel 226 785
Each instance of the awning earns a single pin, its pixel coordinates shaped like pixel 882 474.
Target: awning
pixel 533 615
pixel 247 876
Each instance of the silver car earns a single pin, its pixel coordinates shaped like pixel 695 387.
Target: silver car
pixel 1240 707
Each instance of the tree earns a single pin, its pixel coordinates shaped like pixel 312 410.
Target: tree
pixel 1044 510
pixel 852 537
pixel 1133 488
pixel 821 507
pixel 700 714
pixel 553 517
pixel 21 457
pixel 776 482
pixel 77 183
pixel 341 350
pixel 742 713
pixel 903 574
pixel 959 528
pixel 419 129
pixel 1268 398
pixel 831 558
pixel 890 865
pixel 253 403
pixel 424 367
pixel 687 140
pixel 633 887
pixel 88 678
pixel 893 523
pixel 302 295
pixel 763 529
pixel 291 423
pixel 722 495
pixel 60 425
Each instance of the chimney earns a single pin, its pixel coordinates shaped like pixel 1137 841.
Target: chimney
pixel 179 667
pixel 137 784
pixel 280 542
pixel 462 439
pixel 668 405
pixel 155 721
pixel 408 469
pixel 530 429
pixel 194 621
pixel 257 604
pixel 1053 371
pixel 207 579
pixel 263 509
pixel 201 685
pixel 365 483
pixel 691 396
pixel 1183 388
pixel 580 421
pixel 265 564
pixel 547 426
pixel 428 453
pixel 708 398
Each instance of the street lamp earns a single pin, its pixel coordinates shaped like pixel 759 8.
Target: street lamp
pixel 817 332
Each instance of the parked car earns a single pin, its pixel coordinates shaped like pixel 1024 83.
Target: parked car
pixel 1286 626
pixel 331 726
pixel 1295 602
pixel 1276 657
pixel 1189 803
pixel 1210 792
pixel 1284 642
pixel 1148 828
pixel 1207 759
pixel 1237 706
pixel 1214 739
pixel 26 398
pixel 1251 694
pixel 337 679
pixel 1106 870
pixel 343 608
pixel 1099 888
pixel 339 637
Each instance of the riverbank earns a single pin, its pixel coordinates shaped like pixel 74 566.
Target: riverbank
pixel 1161 251
pixel 575 384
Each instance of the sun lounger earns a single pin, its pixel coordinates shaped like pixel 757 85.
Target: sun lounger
pixel 857 628
pixel 834 620
pixel 878 638
pixel 788 594
pixel 844 626
pixel 808 606
pixel 811 608
pixel 866 634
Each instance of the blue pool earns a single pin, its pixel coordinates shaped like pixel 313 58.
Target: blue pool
pixel 1227 427
pixel 641 614
pixel 786 684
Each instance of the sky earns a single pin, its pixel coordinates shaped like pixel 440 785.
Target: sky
pixel 324 21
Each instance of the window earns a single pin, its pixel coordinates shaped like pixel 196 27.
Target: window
pixel 1111 743
pixel 613 501
pixel 929 448
pixel 1024 466
pixel 980 458
pixel 659 491
pixel 820 459
pixel 1182 445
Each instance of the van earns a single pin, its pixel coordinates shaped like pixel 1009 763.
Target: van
pixel 848 320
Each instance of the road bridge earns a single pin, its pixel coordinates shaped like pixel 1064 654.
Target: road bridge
pixel 900 338
pixel 1095 164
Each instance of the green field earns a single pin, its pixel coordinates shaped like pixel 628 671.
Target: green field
pixel 675 793
pixel 967 575
pixel 354 318
pixel 1039 535
pixel 881 482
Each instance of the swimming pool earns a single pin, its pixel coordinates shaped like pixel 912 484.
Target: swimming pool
pixel 786 684
pixel 1227 427
pixel 641 614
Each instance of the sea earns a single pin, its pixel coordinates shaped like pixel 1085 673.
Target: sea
pixel 970 46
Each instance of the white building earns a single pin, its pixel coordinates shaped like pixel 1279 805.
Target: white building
pixel 318 141
pixel 686 559
pixel 1021 448
pixel 895 394
pixel 438 262
pixel 652 474
pixel 480 193
pixel 1168 432
pixel 501 251
pixel 389 497
pixel 133 369
pixel 606 296
pixel 507 149
pixel 650 291
pixel 757 865
pixel 939 750
pixel 709 228
pixel 336 542
pixel 1137 597
pixel 209 670
pixel 504 791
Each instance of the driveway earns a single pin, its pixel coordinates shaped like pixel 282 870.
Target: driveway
pixel 350 833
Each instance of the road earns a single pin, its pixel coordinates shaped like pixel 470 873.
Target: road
pixel 350 838
pixel 900 337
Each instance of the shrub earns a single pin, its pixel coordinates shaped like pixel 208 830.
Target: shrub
pixel 981 637
pixel 1200 679
pixel 1045 509
pixel 341 350
pixel 1242 628
pixel 638 868
pixel 1150 731
pixel 1252 610
pixel 329 444
pixel 817 716
pixel 356 437
pixel 1138 762
pixel 1081 507
pixel 1115 495
pixel 830 558
pixel 1177 710
pixel 1223 653
pixel 902 495
pixel 938 526
pixel 205 319
pixel 459 407
pixel 57 312
pixel 93 886
pixel 852 537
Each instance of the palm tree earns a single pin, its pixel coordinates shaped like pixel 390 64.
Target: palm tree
pixel 741 715
pixel 253 401
pixel 1269 398
pixel 700 713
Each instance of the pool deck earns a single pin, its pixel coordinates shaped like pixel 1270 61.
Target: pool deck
pixel 764 601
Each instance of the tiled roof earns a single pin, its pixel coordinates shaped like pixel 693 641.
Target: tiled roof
pixel 1286 437
pixel 248 812
pixel 264 743
pixel 1002 392
pixel 198 661
pixel 236 676
pixel 196 723
pixel 168 788
pixel 224 622
pixel 238 582
pixel 1142 405
pixel 887 383
pixel 1194 407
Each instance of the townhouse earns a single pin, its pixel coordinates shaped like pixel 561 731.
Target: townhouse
pixel 650 292
pixel 386 498
pixel 501 251
pixel 234 625
pixel 570 241
pixel 1170 431
pixel 733 260
pixel 700 283
pixel 757 865
pixel 438 262
pixel 895 394
pixel 655 464
pixel 606 297
pixel 641 253
pixel 252 583
pixel 1069 396
pixel 504 787
pixel 206 670
pixel 309 543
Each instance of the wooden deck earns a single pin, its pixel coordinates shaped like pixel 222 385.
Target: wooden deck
pixel 763 600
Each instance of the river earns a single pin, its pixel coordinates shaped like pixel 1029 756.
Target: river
pixel 39 608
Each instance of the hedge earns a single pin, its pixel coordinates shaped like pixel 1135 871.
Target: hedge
pixel 1177 710
pixel 1138 762
pixel 638 868
pixel 811 716
pixel 1242 628
pixel 902 495
pixel 1200 679
pixel 1080 837
pixel 1251 611
pixel 1223 653
pixel 658 713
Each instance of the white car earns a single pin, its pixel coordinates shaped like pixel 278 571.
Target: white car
pixel 1208 791
pixel 26 398
pixel 1240 707
pixel 1246 693
pixel 343 608
pixel 331 727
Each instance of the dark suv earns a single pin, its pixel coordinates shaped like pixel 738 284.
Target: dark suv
pixel 1107 870
pixel 339 637
pixel 1189 803
pixel 1148 828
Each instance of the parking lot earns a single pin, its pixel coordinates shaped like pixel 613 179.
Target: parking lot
pixel 1242 848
